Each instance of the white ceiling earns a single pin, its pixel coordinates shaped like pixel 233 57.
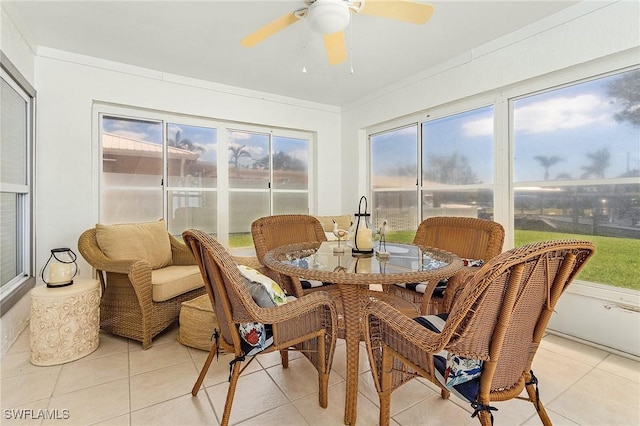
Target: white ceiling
pixel 201 39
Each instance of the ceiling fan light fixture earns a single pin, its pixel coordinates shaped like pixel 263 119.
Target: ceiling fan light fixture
pixel 328 16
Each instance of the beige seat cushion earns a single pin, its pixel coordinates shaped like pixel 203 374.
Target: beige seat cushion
pixel 147 241
pixel 171 281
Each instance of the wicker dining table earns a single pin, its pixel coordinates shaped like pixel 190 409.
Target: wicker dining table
pixel 353 275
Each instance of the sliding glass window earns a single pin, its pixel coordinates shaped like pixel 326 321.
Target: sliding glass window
pixel 198 173
pixel 576 171
pixel 457 165
pixel 17 98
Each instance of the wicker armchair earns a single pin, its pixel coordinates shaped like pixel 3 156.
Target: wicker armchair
pixel 466 237
pixel 306 324
pixel 499 319
pixel 127 307
pixel 270 232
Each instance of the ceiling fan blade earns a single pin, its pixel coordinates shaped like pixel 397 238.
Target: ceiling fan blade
pixel 270 29
pixel 401 10
pixel 335 47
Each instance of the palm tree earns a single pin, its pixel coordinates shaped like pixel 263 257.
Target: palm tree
pixel 600 160
pixel 238 151
pixel 547 162
pixel 186 144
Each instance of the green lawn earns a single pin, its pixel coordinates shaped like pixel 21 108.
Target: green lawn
pixel 616 262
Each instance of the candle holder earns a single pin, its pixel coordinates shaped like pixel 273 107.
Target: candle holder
pixel 363 232
pixel 61 268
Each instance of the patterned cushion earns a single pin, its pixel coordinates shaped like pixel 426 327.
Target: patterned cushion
pixel 442 284
pixel 460 375
pixel 267 294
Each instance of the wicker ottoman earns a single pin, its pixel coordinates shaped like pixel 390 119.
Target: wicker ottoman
pixel 197 322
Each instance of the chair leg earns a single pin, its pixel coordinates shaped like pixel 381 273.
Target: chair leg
pixel 485 418
pixel 323 371
pixel 384 394
pixel 444 394
pixel 284 355
pixel 235 375
pixel 537 404
pixel 205 368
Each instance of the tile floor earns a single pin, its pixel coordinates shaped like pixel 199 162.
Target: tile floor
pixel 120 384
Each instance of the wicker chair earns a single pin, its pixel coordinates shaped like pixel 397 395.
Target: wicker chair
pixel 499 318
pixel 306 324
pixel 127 307
pixel 270 232
pixel 466 237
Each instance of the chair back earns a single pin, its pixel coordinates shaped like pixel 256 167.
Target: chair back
pixel 270 232
pixel 467 237
pixel 501 314
pixel 230 298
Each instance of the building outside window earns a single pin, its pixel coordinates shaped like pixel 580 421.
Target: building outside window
pixel 200 174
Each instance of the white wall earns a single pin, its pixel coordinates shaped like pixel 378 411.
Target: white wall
pixel 21 56
pixel 590 34
pixel 67 162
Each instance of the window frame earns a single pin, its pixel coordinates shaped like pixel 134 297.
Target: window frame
pixel 223 127
pixel 504 208
pixel 21 285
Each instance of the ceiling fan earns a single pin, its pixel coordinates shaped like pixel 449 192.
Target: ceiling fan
pixel 330 17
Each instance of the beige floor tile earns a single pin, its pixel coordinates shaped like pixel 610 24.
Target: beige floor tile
pixel 340 361
pixel 436 411
pixel 219 369
pixel 410 393
pixel 29 387
pixel 556 373
pixel 334 413
pixel 17 363
pixel 623 367
pixel 184 411
pixel 157 356
pixel 161 385
pixel 573 350
pixel 299 380
pixel 30 413
pixel 255 394
pixel 87 373
pixel 22 343
pixel 556 419
pixel 116 421
pixel 600 398
pixel 287 415
pixel 110 344
pixel 94 404
pixel 274 358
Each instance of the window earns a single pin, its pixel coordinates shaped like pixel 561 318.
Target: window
pixel 575 170
pixel 268 174
pixel 16 143
pixel 457 165
pixel 198 173
pixel 394 173
pixel 440 167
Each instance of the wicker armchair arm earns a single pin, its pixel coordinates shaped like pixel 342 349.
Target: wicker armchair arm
pixel 456 284
pixel 296 308
pixel 405 327
pixel 180 253
pixel 140 277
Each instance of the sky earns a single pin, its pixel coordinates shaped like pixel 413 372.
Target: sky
pixel 568 122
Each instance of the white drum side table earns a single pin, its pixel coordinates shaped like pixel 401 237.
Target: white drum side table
pixel 65 322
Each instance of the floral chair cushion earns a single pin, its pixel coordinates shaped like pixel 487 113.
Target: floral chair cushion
pixel 267 294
